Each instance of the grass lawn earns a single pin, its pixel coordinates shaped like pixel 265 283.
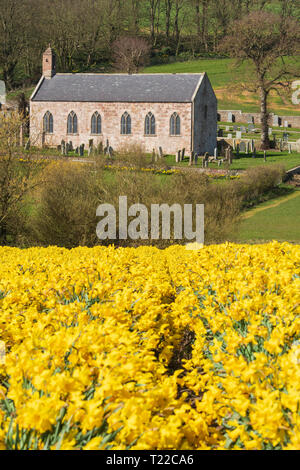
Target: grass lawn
pixel 279 221
pixel 245 161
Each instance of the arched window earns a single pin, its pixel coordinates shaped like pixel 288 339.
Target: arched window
pixel 72 123
pixel 175 124
pixel 48 123
pixel 96 123
pixel 150 124
pixel 126 124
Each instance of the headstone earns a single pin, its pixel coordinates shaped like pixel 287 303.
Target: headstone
pixel 270 131
pixel 242 147
pixel 178 155
pixel 290 148
pixel 238 149
pixel 235 128
pixel 233 144
pixel 252 145
pixel 285 124
pixel 243 129
pixel 77 151
pixel 100 148
pixel 227 128
pixel 220 133
pixel 196 159
pixel 160 152
pixel 2 93
pixel 250 119
pixel 81 150
pixel 63 147
pixel 67 149
pixel 219 163
pixel 286 136
pixel 254 153
pixel 90 151
pixel 251 128
pixel 239 134
pixel 275 121
pixel 230 117
pixel 248 147
pixel 216 152
pixel 71 146
pixel 183 154
pixel 192 156
pixel 229 136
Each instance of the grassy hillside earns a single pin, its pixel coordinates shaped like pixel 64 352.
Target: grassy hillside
pixel 225 78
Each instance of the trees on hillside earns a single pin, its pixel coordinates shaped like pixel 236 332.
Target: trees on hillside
pixel 82 31
pixel 265 40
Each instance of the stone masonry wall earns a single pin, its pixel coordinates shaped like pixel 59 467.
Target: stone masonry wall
pixel 111 122
pixel 293 121
pixel 205 127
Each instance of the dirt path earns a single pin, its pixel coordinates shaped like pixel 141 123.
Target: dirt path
pixel 275 204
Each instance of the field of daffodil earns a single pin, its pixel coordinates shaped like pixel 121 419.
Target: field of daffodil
pixel 146 349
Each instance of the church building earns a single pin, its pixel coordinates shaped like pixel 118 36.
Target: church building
pixel 171 111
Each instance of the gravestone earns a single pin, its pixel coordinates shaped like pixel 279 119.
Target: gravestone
pixel 220 133
pixel 196 158
pixel 233 144
pixel 2 93
pixel 242 147
pixel 160 152
pixel 227 128
pixel 276 121
pixel 71 146
pixel 216 152
pixel 230 117
pixel 81 150
pixel 285 124
pixel 239 134
pixel 67 149
pixel 286 136
pixel 252 145
pixel 251 127
pixel 183 154
pixel 238 150
pixel 290 148
pixel 178 156
pixel 77 151
pixel 235 128
pixel 250 120
pixel 270 131
pixel 229 136
pixel 248 147
pixel 243 129
pixel 191 160
pixel 100 148
pixel 63 147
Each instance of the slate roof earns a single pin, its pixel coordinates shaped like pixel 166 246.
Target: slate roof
pixel 155 88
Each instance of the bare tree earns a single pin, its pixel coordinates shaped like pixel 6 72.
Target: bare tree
pixel 130 53
pixel 265 40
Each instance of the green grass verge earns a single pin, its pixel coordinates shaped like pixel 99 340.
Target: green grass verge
pixel 281 222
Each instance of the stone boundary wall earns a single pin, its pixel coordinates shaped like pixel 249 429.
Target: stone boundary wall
pixel 293 121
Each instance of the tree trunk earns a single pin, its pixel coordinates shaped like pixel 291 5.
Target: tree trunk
pixel 264 119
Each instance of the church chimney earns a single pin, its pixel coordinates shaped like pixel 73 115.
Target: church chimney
pixel 49 63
